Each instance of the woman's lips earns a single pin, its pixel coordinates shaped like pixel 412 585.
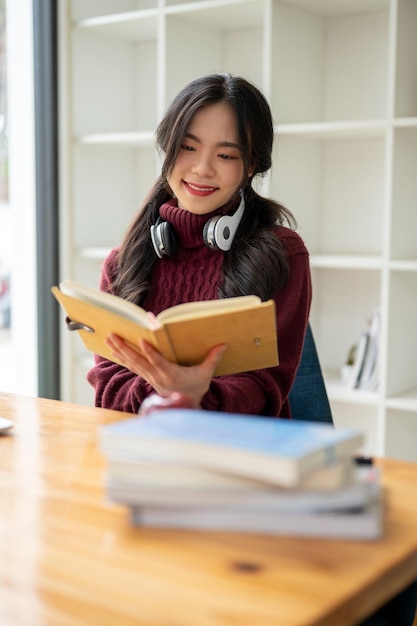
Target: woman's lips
pixel 199 190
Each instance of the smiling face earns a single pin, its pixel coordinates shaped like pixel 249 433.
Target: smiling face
pixel 209 169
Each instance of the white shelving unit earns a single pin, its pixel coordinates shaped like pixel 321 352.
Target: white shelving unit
pixel 341 78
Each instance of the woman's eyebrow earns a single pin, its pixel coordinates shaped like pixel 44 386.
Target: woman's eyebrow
pixel 222 144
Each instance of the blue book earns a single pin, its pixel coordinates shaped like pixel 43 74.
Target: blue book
pixel 273 450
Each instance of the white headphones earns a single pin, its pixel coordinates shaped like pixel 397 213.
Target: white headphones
pixel 218 232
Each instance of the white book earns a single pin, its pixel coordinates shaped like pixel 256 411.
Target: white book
pixel 145 473
pixel 365 524
pixel 274 500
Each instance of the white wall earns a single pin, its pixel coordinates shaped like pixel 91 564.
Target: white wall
pixel 22 194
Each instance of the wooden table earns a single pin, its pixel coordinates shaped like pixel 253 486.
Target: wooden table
pixel 70 558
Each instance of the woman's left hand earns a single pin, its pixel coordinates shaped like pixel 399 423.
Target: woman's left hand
pixel 163 375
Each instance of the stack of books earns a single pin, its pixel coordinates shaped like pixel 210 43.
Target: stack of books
pixel 185 468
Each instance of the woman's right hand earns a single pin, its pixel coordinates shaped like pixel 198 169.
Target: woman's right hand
pixel 163 375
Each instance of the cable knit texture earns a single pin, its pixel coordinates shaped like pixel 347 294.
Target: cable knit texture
pixel 195 273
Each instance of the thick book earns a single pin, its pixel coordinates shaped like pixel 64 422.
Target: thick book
pixel 275 450
pixel 183 334
pixel 356 524
pixel 254 497
pixel 177 476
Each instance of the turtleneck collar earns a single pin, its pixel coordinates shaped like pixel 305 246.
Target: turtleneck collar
pixel 188 226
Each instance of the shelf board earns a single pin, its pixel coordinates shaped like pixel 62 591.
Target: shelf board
pixel 226 15
pixel 335 130
pixel 346 261
pixel 403 265
pixel 329 8
pixel 316 261
pixel 137 139
pixel 404 402
pixel 142 25
pixel 319 130
pixel 94 253
pixel 130 26
pixel 405 122
pixel 338 391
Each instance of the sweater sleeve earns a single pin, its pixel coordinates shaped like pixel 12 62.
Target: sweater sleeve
pixel 265 392
pixel 115 386
pixel 261 392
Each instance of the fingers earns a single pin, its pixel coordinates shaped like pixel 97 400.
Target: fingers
pixel 214 357
pixel 125 354
pixel 149 352
pixel 153 320
pixel 144 361
pixel 163 375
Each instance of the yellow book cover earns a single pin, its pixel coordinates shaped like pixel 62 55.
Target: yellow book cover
pixel 184 333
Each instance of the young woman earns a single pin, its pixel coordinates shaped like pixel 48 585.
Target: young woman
pixel 216 138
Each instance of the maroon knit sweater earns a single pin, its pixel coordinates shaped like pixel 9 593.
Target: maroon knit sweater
pixel 194 273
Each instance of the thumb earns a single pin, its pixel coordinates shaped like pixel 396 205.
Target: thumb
pixel 214 357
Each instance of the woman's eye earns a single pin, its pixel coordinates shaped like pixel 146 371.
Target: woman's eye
pixel 188 148
pixel 227 157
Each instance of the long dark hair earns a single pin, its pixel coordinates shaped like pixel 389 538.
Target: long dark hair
pixel 257 263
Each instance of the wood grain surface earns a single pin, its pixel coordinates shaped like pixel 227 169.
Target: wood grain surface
pixel 68 557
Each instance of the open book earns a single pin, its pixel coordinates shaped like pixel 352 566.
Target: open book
pixel 183 334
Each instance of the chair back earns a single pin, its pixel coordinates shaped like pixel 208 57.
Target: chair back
pixel 308 396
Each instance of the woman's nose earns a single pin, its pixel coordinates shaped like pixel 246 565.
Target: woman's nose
pixel 203 165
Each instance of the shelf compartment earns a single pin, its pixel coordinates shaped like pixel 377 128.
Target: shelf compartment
pixel 109 79
pixel 343 301
pixel 333 187
pixel 83 392
pixel 324 61
pixel 223 44
pixel 402 343
pixel 401 435
pixel 365 419
pixel 111 183
pixel 404 214
pixel 406 60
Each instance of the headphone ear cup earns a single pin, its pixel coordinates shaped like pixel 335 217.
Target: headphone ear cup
pixel 168 238
pixel 219 231
pixel 164 239
pixel 209 235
